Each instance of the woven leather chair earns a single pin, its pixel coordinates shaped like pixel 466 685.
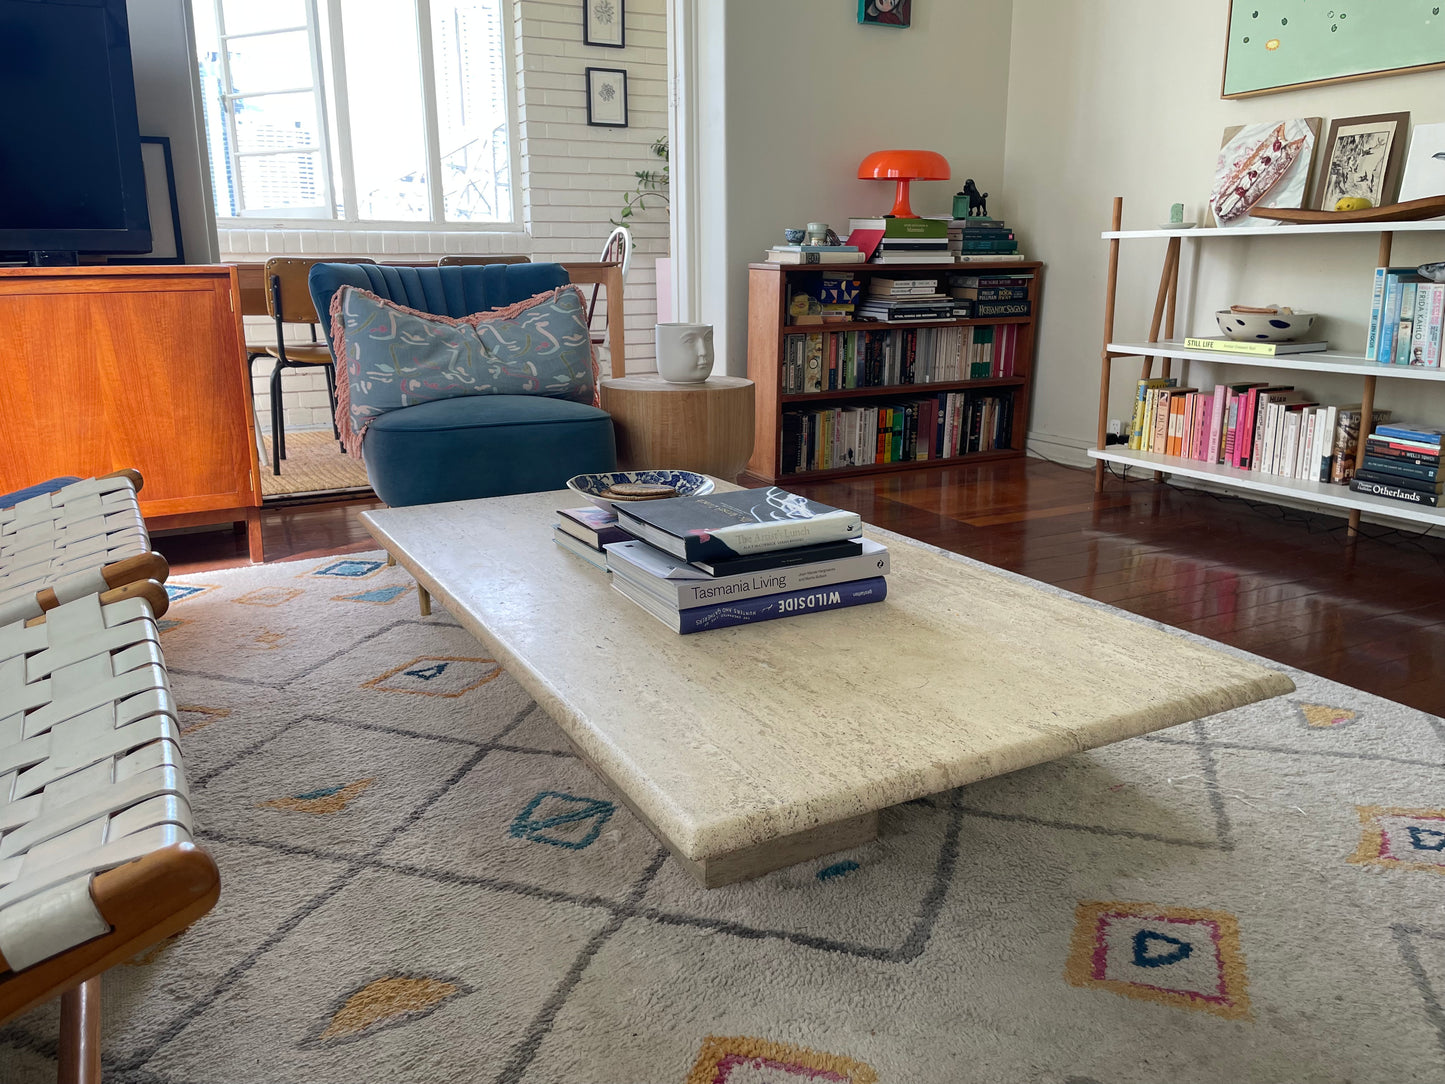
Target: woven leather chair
pixel 472 445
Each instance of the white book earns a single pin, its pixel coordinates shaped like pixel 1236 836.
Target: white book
pixel 1327 442
pixel 1291 439
pixel 1307 443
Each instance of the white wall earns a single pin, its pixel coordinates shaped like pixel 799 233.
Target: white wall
pixel 1121 97
pixel 574 177
pixel 795 94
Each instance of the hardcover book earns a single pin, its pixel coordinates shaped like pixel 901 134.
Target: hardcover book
pixel 595 526
pixel 750 610
pixel 748 521
pixel 1233 346
pixel 1394 492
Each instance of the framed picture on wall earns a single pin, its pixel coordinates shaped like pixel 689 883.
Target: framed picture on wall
pixel 607 97
pixel 885 12
pixel 603 23
pixel 1362 158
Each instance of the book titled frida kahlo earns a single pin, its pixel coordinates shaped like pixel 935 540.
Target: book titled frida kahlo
pixel 722 525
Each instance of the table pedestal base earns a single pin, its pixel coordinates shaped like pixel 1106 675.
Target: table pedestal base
pixel 705 427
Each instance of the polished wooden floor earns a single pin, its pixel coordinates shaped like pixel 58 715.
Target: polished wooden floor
pixel 1369 612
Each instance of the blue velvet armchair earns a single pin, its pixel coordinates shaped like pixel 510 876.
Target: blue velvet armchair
pixel 472 445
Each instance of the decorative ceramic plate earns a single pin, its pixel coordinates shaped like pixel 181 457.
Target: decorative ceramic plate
pixel 591 486
pixel 1177 225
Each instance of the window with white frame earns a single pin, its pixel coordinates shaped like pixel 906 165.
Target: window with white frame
pixel 375 113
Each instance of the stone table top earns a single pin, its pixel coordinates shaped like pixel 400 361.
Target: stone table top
pixel 734 737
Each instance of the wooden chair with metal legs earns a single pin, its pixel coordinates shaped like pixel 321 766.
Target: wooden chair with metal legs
pixel 288 301
pixel 618 250
pixel 80 539
pixel 95 827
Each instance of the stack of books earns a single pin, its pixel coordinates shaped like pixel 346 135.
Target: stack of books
pixel 904 299
pixel 907 240
pixel 980 240
pixel 1406 312
pixel 828 297
pixel 710 562
pixel 1402 462
pixel 993 294
pixel 584 531
pixel 815 254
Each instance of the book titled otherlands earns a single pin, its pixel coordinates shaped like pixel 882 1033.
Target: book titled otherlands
pixel 722 525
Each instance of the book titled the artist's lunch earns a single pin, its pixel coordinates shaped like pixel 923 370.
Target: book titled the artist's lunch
pixel 747 521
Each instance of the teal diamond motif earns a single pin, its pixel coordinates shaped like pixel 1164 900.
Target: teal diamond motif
pixel 349 569
pixel 562 820
pixel 380 594
pixel 177 591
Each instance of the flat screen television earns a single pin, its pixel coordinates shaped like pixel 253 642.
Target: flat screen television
pixel 71 179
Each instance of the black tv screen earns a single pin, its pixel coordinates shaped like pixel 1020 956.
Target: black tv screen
pixel 71 177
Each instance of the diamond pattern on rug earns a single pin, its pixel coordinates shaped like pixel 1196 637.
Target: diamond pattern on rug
pixel 562 820
pixel 1403 839
pixel 744 1060
pixel 1320 716
pixel 377 596
pixel 387 1002
pixel 177 591
pixel 269 596
pixel 437 675
pixel 349 568
pixel 194 717
pixel 324 801
pixel 1178 956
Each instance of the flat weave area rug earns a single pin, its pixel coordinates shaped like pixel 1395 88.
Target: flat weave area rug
pixel 421 884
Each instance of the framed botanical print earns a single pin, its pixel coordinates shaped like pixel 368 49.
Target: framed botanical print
pixel 607 97
pixel 603 23
pixel 1362 158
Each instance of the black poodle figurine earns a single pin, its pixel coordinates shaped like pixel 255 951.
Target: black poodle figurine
pixel 977 201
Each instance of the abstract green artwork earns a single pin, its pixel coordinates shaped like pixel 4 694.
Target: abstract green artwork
pixel 1284 44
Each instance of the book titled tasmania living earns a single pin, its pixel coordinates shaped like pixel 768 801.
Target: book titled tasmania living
pixel 719 526
pixel 761 608
pixel 676 583
pixel 1233 346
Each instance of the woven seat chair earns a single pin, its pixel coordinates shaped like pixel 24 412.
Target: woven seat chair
pixel 78 540
pixel 96 857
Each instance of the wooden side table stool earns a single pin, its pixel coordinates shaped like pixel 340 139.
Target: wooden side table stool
pixel 705 427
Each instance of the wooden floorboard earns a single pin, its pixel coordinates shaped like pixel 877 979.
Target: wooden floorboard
pixel 1288 585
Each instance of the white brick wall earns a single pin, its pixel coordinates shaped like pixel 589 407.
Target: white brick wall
pixel 574 178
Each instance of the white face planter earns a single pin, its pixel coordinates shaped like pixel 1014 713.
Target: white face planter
pixel 684 352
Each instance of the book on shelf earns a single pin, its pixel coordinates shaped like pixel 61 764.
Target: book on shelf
pixel 1406 313
pixel 994 257
pixel 802 555
pixel 815 248
pixel 575 546
pixel 910 245
pixel 944 425
pixel 1231 346
pixel 751 610
pixel 1394 492
pixel 1136 425
pixel 903 228
pixel 592 525
pixel 1417 434
pixel 747 521
pixel 781 256
pixel 887 286
pixel 983 310
pixel 1369 473
pixel 1347 436
pixel 1405 468
pixel 682 585
pixel 990 293
pixel 915 257
pixel 1429 454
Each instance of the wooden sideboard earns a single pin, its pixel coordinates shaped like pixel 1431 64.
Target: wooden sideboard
pixel 109 367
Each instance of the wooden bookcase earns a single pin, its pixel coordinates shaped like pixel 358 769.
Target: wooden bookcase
pixel 768 327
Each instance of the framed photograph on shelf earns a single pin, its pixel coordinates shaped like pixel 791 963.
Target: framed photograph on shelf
pixel 1362 158
pixel 885 12
pixel 607 97
pixel 603 23
pixel 1263 165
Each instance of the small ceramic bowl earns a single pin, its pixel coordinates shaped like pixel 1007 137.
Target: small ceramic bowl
pixel 1264 327
pixel 686 482
pixel 795 235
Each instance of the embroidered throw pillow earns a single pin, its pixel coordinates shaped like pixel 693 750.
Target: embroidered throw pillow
pixel 390 356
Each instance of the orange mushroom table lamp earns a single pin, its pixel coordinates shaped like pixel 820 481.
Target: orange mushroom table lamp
pixel 904 166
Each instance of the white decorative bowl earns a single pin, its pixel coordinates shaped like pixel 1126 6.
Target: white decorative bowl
pixel 1263 327
pixel 687 483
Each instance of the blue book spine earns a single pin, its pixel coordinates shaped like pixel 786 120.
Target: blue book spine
pixel 789 603
pixel 1389 319
pixel 1423 436
pixel 1377 299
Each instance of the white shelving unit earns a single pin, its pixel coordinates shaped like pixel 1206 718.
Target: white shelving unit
pixel 1169 349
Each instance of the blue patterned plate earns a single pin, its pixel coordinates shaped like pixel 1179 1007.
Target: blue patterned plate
pixel 686 482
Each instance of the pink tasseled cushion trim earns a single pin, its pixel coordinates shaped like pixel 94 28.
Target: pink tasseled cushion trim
pixel 351 438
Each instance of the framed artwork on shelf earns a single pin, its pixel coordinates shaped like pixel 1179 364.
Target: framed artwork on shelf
pixel 897 13
pixel 1275 45
pixel 1362 158
pixel 1263 165
pixel 603 23
pixel 1425 164
pixel 607 97
pixel 161 203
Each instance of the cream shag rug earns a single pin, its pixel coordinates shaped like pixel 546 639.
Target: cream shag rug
pixel 421 884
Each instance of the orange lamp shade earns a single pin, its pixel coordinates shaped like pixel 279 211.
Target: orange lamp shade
pixel 904 166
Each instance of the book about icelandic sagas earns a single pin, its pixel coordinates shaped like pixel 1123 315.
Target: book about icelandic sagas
pixel 722 525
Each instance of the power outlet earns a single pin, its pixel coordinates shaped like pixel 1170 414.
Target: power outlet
pixel 1116 427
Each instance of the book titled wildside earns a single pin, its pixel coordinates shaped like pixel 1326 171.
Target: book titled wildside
pixel 746 521
pixel 761 608
pixel 656 572
pixel 1233 346
pixel 1394 492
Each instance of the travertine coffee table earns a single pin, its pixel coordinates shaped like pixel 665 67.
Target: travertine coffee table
pixel 751 748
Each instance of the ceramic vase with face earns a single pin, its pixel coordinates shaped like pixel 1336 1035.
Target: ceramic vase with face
pixel 684 352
